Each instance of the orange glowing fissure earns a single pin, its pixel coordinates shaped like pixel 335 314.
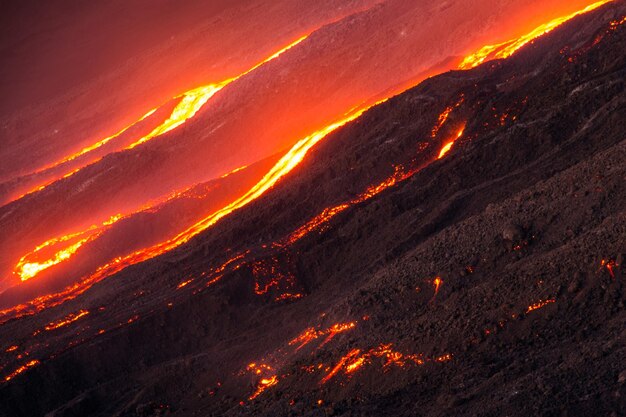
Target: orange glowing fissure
pixel 311 334
pixel 400 174
pixel 70 318
pixel 508 48
pixel 539 304
pixel 190 103
pixel 446 148
pixel 264 384
pixel 354 360
pixel 21 369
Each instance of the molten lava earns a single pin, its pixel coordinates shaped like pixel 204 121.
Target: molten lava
pixel 443 117
pixel 27 270
pixel 38 260
pixel 100 143
pixel 30 264
pixel 355 360
pixel 446 148
pixel 289 161
pixel 539 304
pixel 342 362
pixel 437 282
pixel 264 384
pixel 190 103
pixel 70 318
pixel 21 369
pixel 311 334
pixel 508 48
pixel 327 214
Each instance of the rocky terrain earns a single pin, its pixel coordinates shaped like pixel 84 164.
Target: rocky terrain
pixel 384 276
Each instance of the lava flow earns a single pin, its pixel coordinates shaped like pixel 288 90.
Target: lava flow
pixel 289 161
pixel 508 48
pixel 21 369
pixel 29 265
pixel 446 148
pixel 443 117
pixel 189 104
pixel 39 259
pixel 70 318
pixel 539 304
pixel 354 360
pixel 400 174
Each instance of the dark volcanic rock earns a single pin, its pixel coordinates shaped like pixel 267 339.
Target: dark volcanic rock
pixel 419 269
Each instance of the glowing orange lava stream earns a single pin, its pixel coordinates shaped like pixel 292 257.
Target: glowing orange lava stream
pixel 190 103
pixel 70 318
pixel 290 160
pixel 29 265
pixel 508 48
pixel 21 369
pixel 446 148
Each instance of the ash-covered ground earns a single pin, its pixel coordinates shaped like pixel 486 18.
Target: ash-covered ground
pixel 379 280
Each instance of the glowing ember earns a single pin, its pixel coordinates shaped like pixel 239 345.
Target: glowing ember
pixel 70 318
pixel 437 283
pixel 443 117
pixel 508 48
pixel 335 329
pixel 272 274
pixel 21 369
pixel 12 348
pixel 610 265
pixel 264 384
pixel 355 365
pixel 342 362
pixel 266 381
pixel 311 334
pixel 258 369
pixel 355 360
pixel 183 284
pixel 289 296
pixel 303 339
pixel 446 148
pixel 539 304
pixel 444 358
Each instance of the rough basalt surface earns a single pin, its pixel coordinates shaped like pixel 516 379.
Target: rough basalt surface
pixel 523 222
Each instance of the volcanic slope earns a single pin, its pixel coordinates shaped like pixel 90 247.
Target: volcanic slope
pixel 383 276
